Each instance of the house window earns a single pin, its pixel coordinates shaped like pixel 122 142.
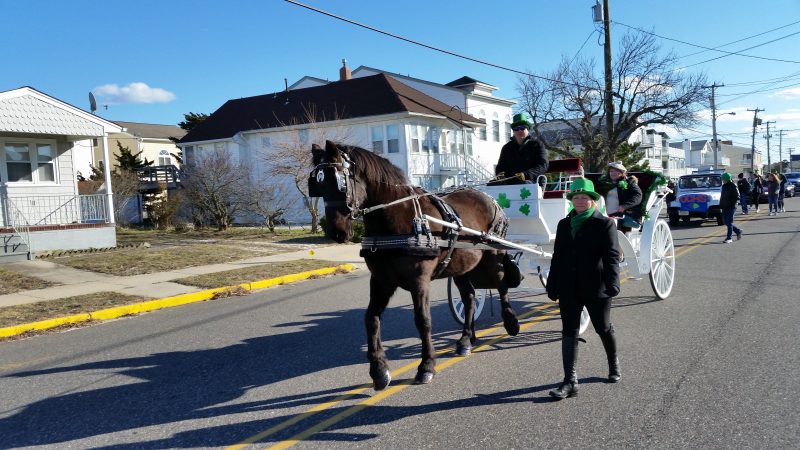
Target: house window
pixel 508 127
pixel 219 146
pixel 415 138
pixel 431 143
pixel 393 138
pixel 482 130
pixel 164 158
pixel 32 162
pixel 377 138
pixel 425 135
pixel 469 143
pixel 495 128
pixel 188 155
pixel 459 141
pixel 746 156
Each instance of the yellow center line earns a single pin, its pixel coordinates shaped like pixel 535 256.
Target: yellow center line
pixel 548 310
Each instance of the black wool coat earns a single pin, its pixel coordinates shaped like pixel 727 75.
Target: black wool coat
pixel 585 267
pixel 729 195
pixel 529 158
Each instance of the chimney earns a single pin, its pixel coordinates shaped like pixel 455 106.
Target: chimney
pixel 344 72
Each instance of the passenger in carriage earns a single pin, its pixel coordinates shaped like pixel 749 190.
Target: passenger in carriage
pixel 523 158
pixel 584 271
pixel 623 196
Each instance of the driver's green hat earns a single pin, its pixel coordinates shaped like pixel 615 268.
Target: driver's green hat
pixel 521 119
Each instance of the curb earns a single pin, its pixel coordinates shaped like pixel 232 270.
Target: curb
pixel 168 302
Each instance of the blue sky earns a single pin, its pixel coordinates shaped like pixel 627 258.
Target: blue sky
pixel 152 61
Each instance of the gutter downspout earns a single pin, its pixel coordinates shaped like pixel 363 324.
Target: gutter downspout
pixel 107 179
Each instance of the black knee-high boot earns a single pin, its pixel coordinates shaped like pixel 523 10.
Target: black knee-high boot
pixel 610 344
pixel 569 356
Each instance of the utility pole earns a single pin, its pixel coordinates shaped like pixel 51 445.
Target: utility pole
pixel 609 105
pixel 789 150
pixel 780 151
pixel 714 123
pixel 756 122
pixel 769 161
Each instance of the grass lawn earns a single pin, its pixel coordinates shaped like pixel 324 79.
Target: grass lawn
pixel 281 235
pixel 11 282
pixel 255 273
pixel 139 261
pixel 51 309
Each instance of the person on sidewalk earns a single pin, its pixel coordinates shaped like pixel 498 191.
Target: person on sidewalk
pixel 727 203
pixel 523 158
pixel 623 196
pixel 781 191
pixel 584 271
pixel 773 186
pixel 744 191
pixel 758 188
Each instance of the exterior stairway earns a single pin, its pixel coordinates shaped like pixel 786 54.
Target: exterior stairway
pixel 13 247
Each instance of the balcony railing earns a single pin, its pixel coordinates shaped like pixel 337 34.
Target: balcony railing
pixel 41 210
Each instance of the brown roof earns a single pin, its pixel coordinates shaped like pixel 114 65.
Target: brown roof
pixel 358 97
pixel 151 130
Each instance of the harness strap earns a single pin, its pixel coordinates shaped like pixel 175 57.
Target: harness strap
pixel 377 243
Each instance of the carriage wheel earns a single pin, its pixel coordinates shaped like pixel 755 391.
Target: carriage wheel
pixel 457 306
pixel 662 260
pixel 585 319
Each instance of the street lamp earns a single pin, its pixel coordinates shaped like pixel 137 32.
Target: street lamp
pixel 714 116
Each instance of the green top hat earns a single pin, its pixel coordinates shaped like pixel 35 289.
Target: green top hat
pixel 582 186
pixel 726 177
pixel 521 119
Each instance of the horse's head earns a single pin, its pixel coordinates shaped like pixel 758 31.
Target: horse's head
pixel 334 179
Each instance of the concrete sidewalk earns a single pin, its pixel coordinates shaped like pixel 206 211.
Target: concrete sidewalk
pixel 73 282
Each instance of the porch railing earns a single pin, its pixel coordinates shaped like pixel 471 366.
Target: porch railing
pixel 16 220
pixel 41 210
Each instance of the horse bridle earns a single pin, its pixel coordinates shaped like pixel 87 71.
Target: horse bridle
pixel 344 180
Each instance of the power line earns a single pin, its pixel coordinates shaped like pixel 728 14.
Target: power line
pixel 742 39
pixel 727 53
pixel 430 47
pixel 744 50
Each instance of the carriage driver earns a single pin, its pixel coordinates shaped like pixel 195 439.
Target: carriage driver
pixel 523 158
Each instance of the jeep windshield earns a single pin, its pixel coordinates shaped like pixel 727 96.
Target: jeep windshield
pixel 700 182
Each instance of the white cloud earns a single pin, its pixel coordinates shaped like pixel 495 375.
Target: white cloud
pixel 788 94
pixel 136 92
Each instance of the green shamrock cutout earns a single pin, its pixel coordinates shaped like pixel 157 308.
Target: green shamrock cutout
pixel 525 209
pixel 524 193
pixel 503 201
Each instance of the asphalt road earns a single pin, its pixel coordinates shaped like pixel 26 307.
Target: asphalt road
pixel 713 366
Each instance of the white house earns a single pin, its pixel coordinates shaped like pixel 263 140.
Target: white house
pixel 700 155
pixel 659 154
pixel 40 209
pixel 154 141
pixel 433 141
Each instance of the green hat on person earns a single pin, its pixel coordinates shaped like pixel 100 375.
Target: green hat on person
pixel 582 186
pixel 726 177
pixel 521 119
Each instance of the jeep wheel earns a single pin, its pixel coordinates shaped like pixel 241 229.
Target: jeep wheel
pixel 674 218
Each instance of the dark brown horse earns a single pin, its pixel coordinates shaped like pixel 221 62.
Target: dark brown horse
pixel 354 181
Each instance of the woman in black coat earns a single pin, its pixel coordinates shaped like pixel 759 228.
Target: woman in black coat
pixel 584 272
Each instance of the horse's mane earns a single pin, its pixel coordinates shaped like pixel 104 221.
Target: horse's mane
pixel 375 167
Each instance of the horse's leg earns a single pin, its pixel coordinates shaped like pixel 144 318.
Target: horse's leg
pixel 510 321
pixel 379 295
pixel 422 319
pixel 467 292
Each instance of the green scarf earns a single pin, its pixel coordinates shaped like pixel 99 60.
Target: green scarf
pixel 579 219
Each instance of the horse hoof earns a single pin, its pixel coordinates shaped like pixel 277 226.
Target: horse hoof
pixel 424 378
pixel 512 327
pixel 380 384
pixel 463 350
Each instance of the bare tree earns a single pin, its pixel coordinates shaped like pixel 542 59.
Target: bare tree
pixel 125 184
pixel 266 201
pixel 291 159
pixel 214 185
pixel 567 104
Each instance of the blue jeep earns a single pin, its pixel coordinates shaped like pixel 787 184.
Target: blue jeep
pixel 696 196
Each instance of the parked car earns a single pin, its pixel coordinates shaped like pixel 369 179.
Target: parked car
pixel 794 179
pixel 696 196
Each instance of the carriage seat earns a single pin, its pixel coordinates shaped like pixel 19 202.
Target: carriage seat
pixel 562 166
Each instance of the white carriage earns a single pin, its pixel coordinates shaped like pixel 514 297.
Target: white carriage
pixel 534 214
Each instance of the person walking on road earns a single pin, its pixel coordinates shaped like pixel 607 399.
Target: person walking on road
pixel 773 186
pixel 781 191
pixel 758 188
pixel 584 272
pixel 744 191
pixel 727 203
